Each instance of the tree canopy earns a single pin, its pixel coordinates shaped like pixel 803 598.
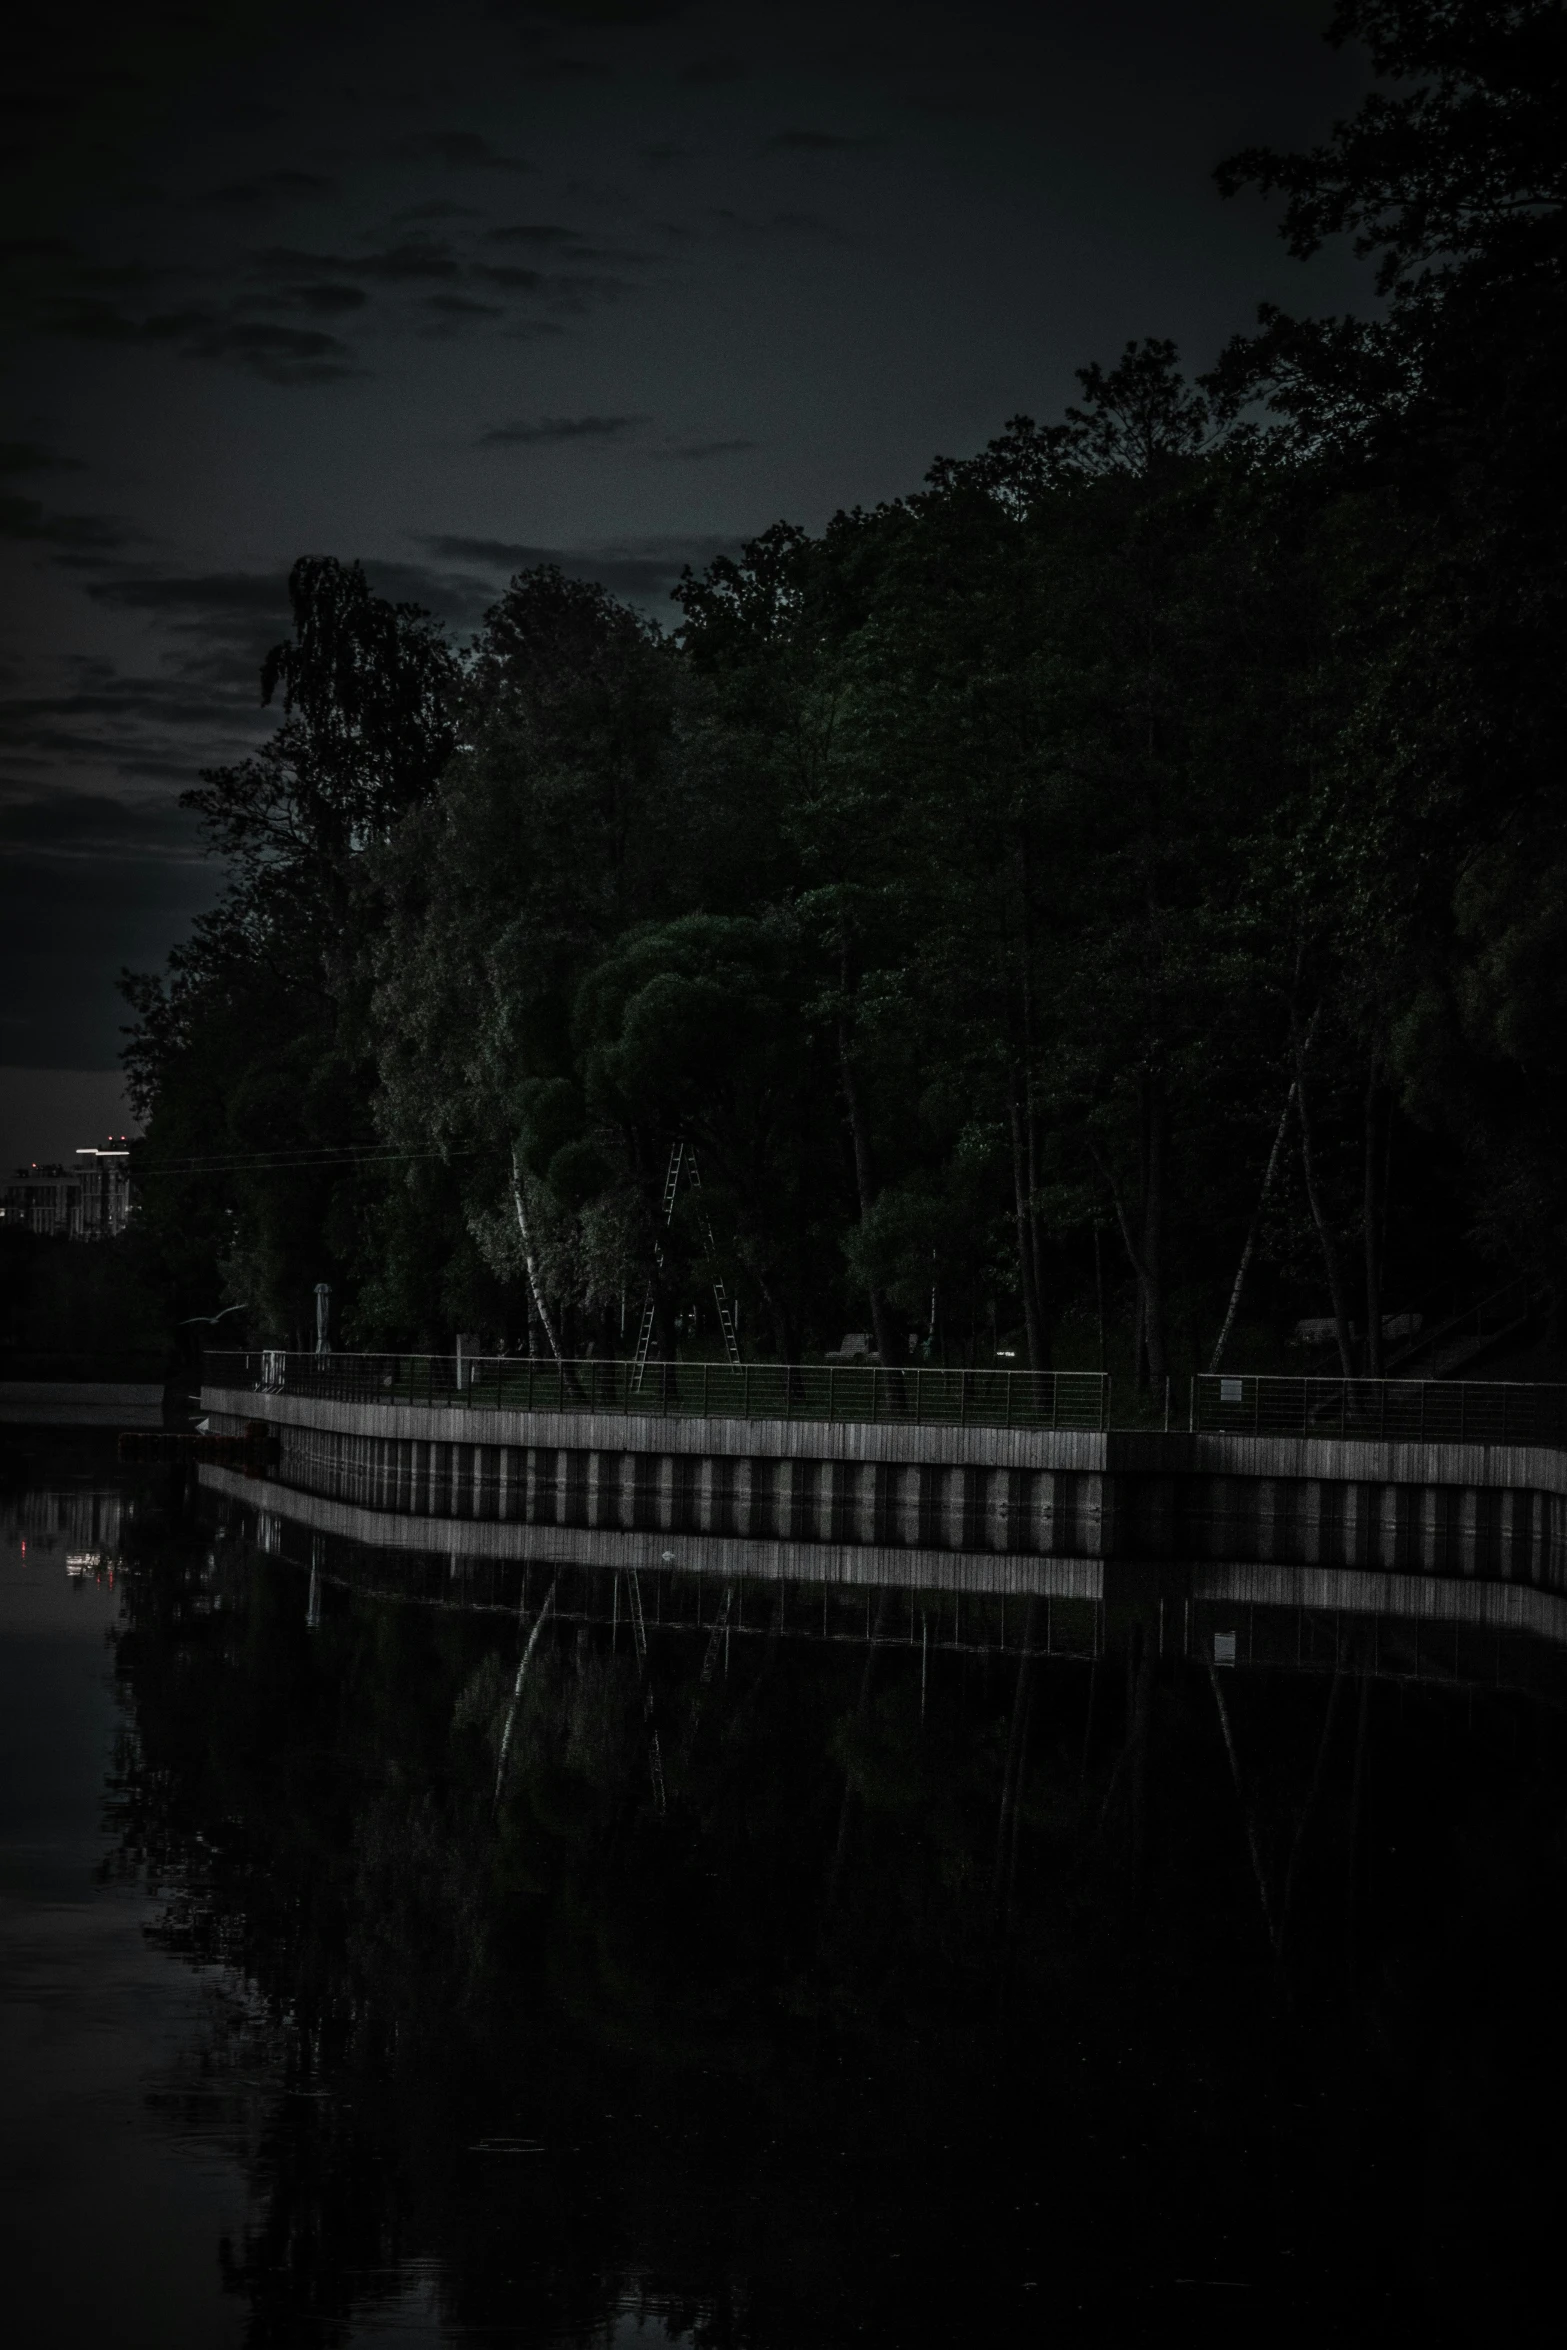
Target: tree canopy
pixel 1127 871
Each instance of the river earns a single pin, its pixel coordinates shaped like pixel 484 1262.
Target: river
pixel 409 1949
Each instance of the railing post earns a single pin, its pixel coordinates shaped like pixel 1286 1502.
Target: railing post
pixel 1007 1422
pixel 832 1391
pixel 745 1390
pixel 705 1412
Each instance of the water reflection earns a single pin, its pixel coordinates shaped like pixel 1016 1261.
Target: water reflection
pixel 758 1960
pixel 113 2204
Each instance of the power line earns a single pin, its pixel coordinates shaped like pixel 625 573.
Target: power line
pixel 266 1162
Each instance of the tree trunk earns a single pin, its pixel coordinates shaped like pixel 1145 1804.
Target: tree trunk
pixel 1356 1805
pixel 846 1809
pixel 1309 1808
pixel 1259 1874
pixel 1025 1242
pixel 1244 1267
pixel 1138 1743
pixel 1371 1210
pixel 1154 1191
pixel 1329 1247
pixel 516 1695
pixel 1011 1773
pixel 518 1195
pixel 1148 1286
pixel 1030 1121
pixel 863 1176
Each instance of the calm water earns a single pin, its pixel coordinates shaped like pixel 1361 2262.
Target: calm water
pixel 775 1967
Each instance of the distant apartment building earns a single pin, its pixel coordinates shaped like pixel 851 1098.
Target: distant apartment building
pixel 90 1201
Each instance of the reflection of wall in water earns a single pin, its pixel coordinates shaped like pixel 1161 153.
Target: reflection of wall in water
pixel 72 1517
pixel 1249 1614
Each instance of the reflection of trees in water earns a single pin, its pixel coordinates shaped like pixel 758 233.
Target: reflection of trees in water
pixel 894 1964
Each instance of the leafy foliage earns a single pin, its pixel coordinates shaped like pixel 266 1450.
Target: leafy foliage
pixel 987 886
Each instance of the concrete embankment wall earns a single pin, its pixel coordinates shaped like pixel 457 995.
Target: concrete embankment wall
pixel 1492 1511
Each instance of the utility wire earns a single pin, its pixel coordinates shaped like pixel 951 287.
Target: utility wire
pixel 263 1162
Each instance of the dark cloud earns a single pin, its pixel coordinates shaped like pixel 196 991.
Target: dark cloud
pixel 587 12
pixel 439 209
pixel 641 568
pixel 26 519
pixel 224 621
pixel 254 114
pixel 451 312
pixel 523 434
pixel 659 157
pixel 66 926
pixel 98 691
pixel 530 232
pixel 459 597
pixel 37 249
pixel 417 258
pixel 776 225
pixel 514 279
pixel 553 68
pixel 321 300
pixel 461 150
pixel 33 457
pixel 183 594
pixel 155 729
pixel 813 143
pixel 708 72
pixel 73 826
pixel 90 302
pixel 574 293
pixel 279 354
pixel 275 187
pixel 693 452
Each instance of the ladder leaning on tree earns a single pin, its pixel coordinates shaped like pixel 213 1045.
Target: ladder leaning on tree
pixel 682 1161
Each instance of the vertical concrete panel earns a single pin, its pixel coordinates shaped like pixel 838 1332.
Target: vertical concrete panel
pixel 595 1502
pixel 574 1467
pixel 1065 1533
pixel 1289 1511
pixel 927 1507
pixel 1332 1546
pixel 762 1521
pixel 825 1500
pixel 992 1503
pixel 860 1502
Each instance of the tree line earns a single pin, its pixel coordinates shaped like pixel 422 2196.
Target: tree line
pixel 1098 906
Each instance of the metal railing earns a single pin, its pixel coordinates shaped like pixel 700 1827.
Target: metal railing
pixel 704 1391
pixel 1428 1411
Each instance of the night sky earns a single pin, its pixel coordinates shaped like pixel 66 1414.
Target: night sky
pixel 455 291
